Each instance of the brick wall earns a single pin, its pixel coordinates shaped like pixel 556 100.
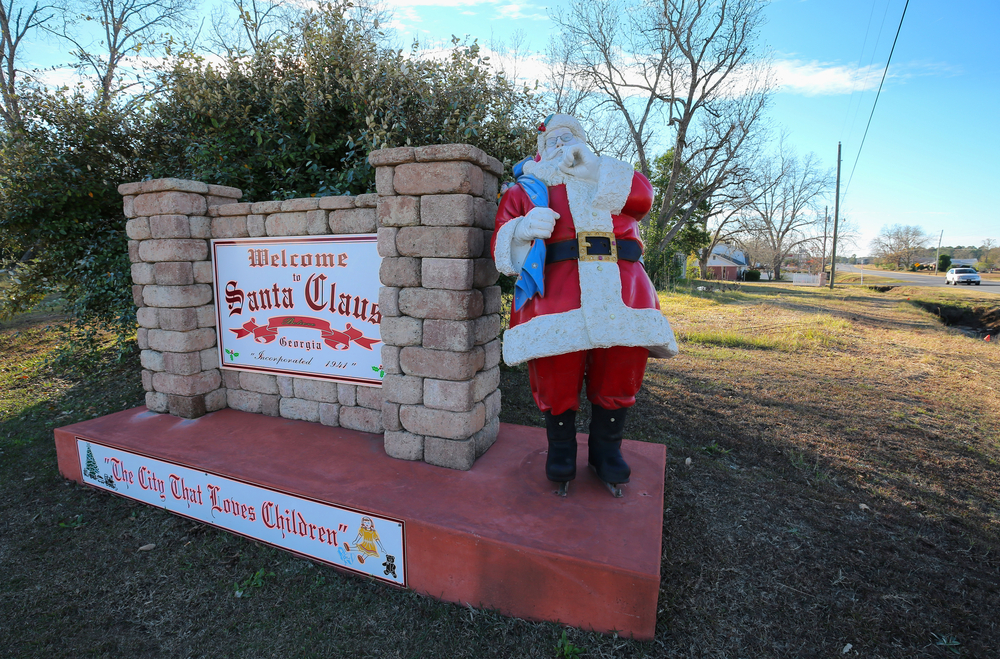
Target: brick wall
pixel 440 305
pixel 168 229
pixel 433 212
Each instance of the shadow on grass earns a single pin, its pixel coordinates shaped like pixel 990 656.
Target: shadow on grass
pixel 766 552
pixel 824 504
pixel 76 584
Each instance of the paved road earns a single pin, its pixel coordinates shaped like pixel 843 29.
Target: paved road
pixel 916 279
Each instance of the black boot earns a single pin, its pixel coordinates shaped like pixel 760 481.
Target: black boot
pixel 605 445
pixel 560 464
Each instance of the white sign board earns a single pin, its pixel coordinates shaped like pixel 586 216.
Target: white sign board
pixel 304 306
pixel 348 538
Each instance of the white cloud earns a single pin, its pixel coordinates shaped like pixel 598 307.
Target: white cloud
pixel 820 78
pixel 60 77
pixel 403 19
pixel 399 4
pixel 515 11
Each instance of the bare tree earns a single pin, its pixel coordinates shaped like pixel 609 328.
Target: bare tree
pixel 987 258
pixel 899 244
pixel 759 252
pixel 129 28
pixel 240 26
pixel 16 21
pixel 576 95
pixel 721 223
pixel 691 65
pixel 782 212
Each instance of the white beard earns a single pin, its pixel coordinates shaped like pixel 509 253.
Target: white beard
pixel 549 173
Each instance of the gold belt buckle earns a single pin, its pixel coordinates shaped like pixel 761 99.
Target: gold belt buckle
pixel 583 242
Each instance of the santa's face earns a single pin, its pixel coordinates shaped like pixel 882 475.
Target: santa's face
pixel 556 141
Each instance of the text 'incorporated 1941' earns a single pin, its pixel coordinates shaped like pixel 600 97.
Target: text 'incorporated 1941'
pixel 300 306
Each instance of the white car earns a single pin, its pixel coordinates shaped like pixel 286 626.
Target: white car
pixel 962 276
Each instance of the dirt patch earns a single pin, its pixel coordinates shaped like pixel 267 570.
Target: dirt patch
pixel 972 319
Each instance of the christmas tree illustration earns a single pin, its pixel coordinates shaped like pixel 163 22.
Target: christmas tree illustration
pixel 94 474
pixel 92 471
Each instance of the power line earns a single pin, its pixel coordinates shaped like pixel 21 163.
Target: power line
pixel 861 57
pixel 877 94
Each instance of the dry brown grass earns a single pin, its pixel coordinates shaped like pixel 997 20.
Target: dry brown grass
pixel 867 401
pixel 842 489
pixel 843 483
pixel 867 279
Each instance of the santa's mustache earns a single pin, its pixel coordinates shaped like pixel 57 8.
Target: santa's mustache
pixel 549 171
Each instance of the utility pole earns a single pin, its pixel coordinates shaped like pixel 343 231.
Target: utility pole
pixel 826 220
pixel 937 257
pixel 836 217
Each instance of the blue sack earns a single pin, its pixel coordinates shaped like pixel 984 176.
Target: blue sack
pixel 531 281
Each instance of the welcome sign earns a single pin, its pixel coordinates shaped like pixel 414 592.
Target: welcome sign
pixel 352 539
pixel 303 306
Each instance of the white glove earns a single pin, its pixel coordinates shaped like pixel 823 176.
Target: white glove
pixel 538 223
pixel 579 161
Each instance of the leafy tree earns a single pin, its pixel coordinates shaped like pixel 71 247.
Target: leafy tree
pixel 60 211
pixel 944 262
pixel 300 114
pixel 298 117
pixel 661 259
pixel 987 258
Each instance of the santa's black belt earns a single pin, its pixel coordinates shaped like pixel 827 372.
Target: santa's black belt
pixel 594 247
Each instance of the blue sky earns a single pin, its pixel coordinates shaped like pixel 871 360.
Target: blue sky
pixel 927 157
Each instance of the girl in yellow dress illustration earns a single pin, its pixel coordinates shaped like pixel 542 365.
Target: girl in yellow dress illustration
pixel 367 539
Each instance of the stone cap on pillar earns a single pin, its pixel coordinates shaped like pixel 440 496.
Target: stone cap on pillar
pixel 179 185
pixel 435 153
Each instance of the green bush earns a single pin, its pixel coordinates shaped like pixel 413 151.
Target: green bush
pixel 751 275
pixel 664 266
pixel 301 114
pixel 61 220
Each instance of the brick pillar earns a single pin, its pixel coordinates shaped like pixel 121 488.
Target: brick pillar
pixel 439 302
pixel 168 232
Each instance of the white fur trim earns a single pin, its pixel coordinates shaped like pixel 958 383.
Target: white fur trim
pixel 614 183
pixel 544 336
pixel 561 333
pixel 602 321
pixel 586 217
pixel 505 244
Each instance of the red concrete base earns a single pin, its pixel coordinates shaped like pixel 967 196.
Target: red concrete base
pixel 495 537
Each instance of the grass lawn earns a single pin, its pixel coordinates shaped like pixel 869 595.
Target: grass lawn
pixel 867 279
pixel 832 490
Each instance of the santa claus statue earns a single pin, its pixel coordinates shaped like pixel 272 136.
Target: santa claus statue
pixel 584 308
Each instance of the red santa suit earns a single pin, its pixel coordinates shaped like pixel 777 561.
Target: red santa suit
pixel 596 317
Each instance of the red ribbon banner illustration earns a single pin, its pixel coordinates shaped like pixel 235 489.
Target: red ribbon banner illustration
pixel 334 338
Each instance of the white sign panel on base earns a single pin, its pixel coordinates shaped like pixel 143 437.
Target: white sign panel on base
pixel 305 306
pixel 352 539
